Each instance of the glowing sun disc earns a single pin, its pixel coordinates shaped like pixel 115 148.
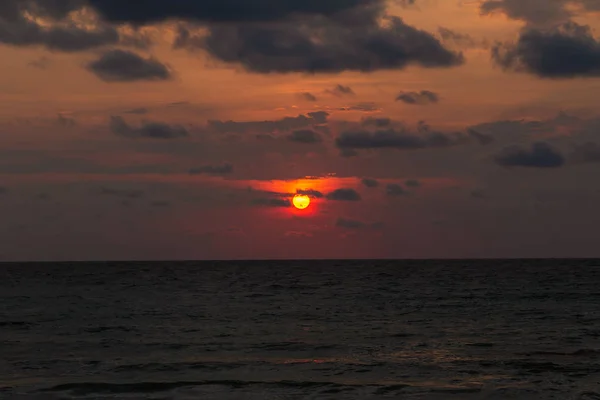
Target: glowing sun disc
pixel 301 201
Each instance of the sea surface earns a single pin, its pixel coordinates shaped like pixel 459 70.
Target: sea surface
pixel 301 330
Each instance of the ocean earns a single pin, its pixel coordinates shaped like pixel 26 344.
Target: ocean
pixel 505 329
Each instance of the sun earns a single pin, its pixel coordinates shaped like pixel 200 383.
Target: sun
pixel 301 201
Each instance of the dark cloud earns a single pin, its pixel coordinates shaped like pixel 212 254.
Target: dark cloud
pixel 531 11
pixel 354 41
pixel 363 107
pixel 423 97
pixel 220 10
pixel 281 125
pixel 307 96
pixel 306 136
pixel 377 122
pixel 540 155
pixel 413 183
pixel 393 139
pixel 394 189
pixel 126 66
pixel 481 138
pixel 224 169
pixel 160 203
pixel 567 51
pixel 370 182
pixel 344 195
pixel 347 153
pixel 272 202
pixel 21 25
pixel 152 130
pixel 341 90
pixel 3 190
pixel 311 193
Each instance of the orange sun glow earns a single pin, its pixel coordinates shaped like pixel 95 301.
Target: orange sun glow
pixel 301 201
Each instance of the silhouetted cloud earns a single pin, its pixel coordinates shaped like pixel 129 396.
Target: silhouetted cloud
pixel 363 107
pixel 311 193
pixel 393 189
pixel 224 169
pixel 344 195
pixel 413 183
pixel 481 138
pixel 153 130
pixel 376 122
pixel 126 66
pixel 306 136
pixel 567 51
pixel 307 96
pixel 284 124
pixel 418 98
pixel 540 155
pixel 341 90
pixel 272 202
pixel 21 25
pixel 532 11
pixel 392 139
pixel 370 182
pixel 353 41
pixel 152 11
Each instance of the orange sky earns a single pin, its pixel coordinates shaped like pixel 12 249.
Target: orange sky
pixel 465 204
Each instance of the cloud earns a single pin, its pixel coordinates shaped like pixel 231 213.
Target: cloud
pixel 152 130
pixel 363 107
pixel 540 155
pixel 394 189
pixel 413 183
pixel 126 66
pixel 531 11
pixel 311 193
pixel 153 11
pixel 354 41
pixel 344 195
pixel 224 169
pixel 481 138
pixel 284 124
pixel 341 90
pixel 370 182
pixel 567 51
pixel 306 136
pixel 392 139
pixel 266 202
pixel 421 98
pixel 50 25
pixel 307 96
pixel 377 122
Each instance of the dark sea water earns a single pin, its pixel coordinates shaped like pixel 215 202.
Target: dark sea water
pixel 301 330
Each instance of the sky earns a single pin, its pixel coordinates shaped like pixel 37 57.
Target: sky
pixel 182 129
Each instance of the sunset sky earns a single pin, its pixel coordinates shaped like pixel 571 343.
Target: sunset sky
pixel 181 129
